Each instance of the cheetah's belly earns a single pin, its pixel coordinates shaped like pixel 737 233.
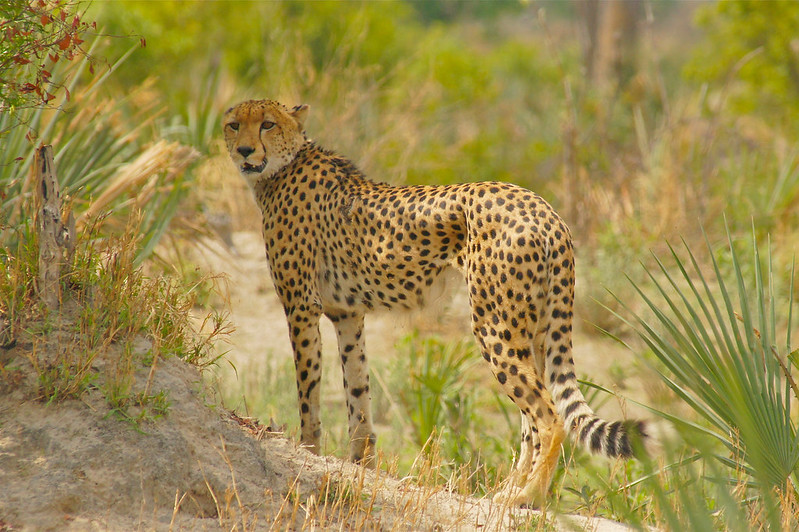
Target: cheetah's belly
pixel 380 284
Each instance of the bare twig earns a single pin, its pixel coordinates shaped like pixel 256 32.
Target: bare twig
pixel 787 373
pixel 785 370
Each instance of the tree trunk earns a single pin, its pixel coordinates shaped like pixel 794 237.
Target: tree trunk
pixel 56 238
pixel 617 43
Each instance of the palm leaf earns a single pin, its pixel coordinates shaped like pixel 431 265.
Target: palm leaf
pixel 715 336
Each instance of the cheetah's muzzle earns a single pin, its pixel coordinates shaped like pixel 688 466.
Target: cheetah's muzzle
pixel 248 168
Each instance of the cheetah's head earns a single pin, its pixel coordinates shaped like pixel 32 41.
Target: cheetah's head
pixel 263 136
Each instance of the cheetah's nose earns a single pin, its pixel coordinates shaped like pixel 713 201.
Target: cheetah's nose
pixel 245 151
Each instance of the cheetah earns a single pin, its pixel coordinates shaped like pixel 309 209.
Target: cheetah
pixel 340 245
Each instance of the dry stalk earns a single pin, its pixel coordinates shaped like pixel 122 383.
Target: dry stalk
pixel 176 508
pixel 292 489
pixel 226 458
pixel 151 374
pixel 139 178
pixel 213 496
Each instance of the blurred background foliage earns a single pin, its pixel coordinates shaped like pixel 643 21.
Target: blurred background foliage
pixel 639 121
pixel 654 122
pixel 754 46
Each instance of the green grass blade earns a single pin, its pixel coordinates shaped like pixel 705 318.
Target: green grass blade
pixel 788 344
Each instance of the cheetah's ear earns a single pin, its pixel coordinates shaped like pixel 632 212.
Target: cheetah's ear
pixel 300 113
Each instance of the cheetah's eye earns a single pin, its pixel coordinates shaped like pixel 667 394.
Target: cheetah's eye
pixel 234 126
pixel 266 126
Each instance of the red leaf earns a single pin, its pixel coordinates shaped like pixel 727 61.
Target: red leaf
pixel 28 87
pixel 21 60
pixel 54 57
pixel 67 91
pixel 63 44
pixel 46 20
pixel 143 42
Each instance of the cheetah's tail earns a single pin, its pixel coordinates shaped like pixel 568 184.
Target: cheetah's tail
pixel 623 439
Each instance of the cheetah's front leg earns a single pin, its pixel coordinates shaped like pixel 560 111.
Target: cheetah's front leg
pixel 306 343
pixel 349 329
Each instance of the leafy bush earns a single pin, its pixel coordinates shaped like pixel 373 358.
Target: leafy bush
pixel 36 36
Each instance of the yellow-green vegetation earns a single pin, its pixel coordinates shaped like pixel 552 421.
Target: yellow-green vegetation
pixel 113 325
pixel 691 135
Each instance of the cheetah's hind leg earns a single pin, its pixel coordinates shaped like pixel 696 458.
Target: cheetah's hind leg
pixel 529 483
pixel 528 456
